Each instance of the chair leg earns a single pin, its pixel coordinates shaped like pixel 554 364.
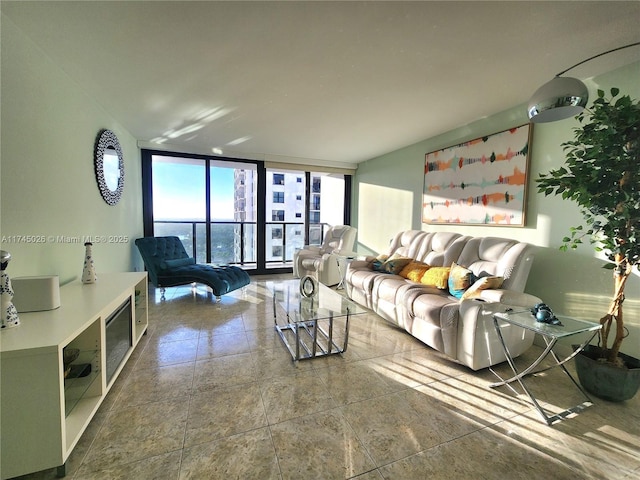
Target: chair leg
pixel 162 290
pixel 218 298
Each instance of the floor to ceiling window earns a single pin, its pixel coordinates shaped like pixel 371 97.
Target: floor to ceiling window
pixel 210 205
pixel 234 212
pixel 326 204
pixel 179 209
pixel 285 225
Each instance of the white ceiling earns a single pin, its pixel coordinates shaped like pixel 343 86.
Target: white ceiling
pixel 334 82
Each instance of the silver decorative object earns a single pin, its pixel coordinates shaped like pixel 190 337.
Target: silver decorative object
pixel 308 286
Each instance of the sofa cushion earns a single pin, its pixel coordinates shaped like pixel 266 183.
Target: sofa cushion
pixel 435 320
pixel 414 271
pixel 177 262
pixel 483 283
pixel 440 249
pixel 436 277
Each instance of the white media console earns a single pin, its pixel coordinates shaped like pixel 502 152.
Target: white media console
pixel 46 404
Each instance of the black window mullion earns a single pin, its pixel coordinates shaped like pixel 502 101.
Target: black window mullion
pixel 347 199
pixel 147 194
pixel 207 215
pixel 307 205
pixel 261 224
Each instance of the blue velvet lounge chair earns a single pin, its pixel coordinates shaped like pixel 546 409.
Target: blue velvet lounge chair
pixel 169 265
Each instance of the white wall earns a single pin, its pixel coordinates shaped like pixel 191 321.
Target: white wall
pixel 48 187
pixel 388 197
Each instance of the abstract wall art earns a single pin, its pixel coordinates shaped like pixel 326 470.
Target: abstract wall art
pixel 479 182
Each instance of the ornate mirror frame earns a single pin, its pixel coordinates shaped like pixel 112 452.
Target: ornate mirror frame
pixel 107 140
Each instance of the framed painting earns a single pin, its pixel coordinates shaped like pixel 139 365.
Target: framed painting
pixel 479 182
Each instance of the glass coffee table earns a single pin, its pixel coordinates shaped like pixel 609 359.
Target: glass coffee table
pixel 315 326
pixel 550 334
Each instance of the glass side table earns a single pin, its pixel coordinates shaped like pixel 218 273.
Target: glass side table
pixel 313 326
pixel 550 334
pixel 343 260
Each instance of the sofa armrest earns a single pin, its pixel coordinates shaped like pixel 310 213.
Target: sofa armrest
pixel 478 345
pixel 509 297
pixel 359 263
pixel 346 253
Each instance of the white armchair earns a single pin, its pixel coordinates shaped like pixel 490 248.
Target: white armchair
pixel 323 261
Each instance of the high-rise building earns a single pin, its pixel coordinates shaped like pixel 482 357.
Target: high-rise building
pixel 285 213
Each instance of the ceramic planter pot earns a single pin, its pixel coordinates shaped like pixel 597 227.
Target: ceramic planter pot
pixel 604 380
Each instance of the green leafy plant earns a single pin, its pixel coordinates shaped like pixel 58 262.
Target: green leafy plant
pixel 602 175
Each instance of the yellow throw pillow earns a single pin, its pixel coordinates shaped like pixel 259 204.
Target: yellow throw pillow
pixel 436 277
pixel 483 283
pixel 414 271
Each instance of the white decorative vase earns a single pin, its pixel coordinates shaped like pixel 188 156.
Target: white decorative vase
pixel 89 270
pixel 9 317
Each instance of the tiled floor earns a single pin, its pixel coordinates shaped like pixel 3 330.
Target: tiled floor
pixel 211 393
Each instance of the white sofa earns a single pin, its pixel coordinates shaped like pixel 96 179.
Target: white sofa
pixel 324 261
pixel 462 329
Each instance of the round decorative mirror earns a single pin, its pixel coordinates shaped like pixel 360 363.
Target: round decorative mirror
pixel 109 166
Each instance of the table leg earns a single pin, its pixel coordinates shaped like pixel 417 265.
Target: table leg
pixel 330 346
pixel 519 376
pixel 342 274
pixel 297 329
pixel 314 327
pixel 275 316
pixel 346 332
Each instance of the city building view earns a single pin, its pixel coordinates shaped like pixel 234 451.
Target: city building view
pixel 229 212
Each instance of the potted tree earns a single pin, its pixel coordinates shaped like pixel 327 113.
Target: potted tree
pixel 602 175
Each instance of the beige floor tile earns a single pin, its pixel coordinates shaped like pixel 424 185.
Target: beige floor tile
pixel 161 467
pixel 292 396
pixel 258 320
pixel 168 353
pixel 134 433
pixel 477 403
pixel 356 381
pixel 372 475
pixel 391 429
pixel 590 443
pixel 224 412
pixel 263 338
pixel 278 362
pixel 216 325
pixel 322 445
pixel 211 392
pixel 224 371
pixel 247 456
pixel 375 343
pixel 414 367
pixel 171 330
pixel 154 384
pixel 218 345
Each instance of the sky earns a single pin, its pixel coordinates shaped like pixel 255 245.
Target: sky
pixel 179 192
